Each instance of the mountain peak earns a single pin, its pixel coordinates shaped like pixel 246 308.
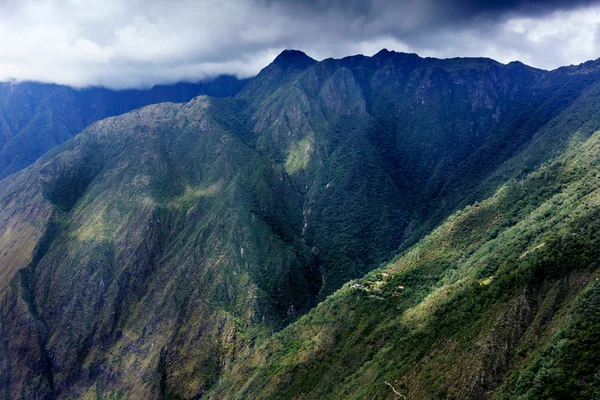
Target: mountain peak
pixel 384 53
pixel 293 58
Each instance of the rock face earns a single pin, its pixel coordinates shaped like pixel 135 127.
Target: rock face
pixel 156 253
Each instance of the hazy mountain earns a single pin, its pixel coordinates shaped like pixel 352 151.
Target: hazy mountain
pixel 170 252
pixel 35 117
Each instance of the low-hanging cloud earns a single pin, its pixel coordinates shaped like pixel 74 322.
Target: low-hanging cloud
pixel 135 43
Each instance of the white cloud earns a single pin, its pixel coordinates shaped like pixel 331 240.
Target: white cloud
pixel 132 43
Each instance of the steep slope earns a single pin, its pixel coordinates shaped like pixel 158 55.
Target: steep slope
pixel 501 301
pixel 23 217
pixel 161 258
pixel 36 117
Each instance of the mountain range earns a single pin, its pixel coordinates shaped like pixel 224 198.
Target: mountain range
pixel 35 117
pixel 367 227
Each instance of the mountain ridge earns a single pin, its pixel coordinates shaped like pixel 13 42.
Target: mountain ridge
pixel 36 117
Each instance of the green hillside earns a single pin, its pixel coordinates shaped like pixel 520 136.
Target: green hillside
pixel 501 301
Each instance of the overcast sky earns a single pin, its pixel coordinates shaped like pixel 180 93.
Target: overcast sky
pixel 136 43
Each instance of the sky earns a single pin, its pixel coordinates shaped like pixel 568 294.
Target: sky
pixel 139 43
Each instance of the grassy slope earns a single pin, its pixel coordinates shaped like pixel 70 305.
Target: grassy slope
pixel 500 300
pixel 22 221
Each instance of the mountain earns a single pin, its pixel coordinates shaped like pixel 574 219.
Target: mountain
pixel 337 225
pixel 35 117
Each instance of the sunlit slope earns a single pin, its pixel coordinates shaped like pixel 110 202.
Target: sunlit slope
pixel 501 301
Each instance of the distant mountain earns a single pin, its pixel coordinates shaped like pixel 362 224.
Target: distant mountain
pixel 35 117
pixel 339 229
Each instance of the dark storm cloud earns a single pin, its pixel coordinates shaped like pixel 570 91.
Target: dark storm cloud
pixel 448 10
pixel 125 43
pixel 527 6
pixel 464 8
pixel 425 14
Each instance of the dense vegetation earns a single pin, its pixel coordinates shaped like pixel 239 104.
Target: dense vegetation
pixel 499 301
pixel 340 229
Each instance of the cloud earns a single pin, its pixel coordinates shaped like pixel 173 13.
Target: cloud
pixel 135 43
